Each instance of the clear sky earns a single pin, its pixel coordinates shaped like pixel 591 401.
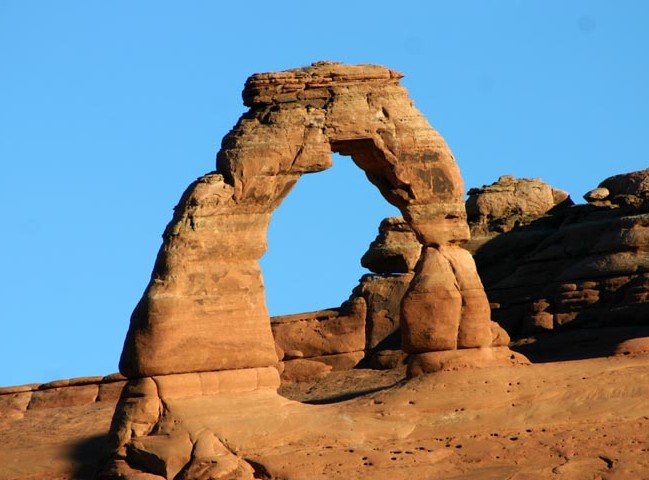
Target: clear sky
pixel 110 109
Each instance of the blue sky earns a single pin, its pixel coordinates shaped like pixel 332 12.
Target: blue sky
pixel 110 109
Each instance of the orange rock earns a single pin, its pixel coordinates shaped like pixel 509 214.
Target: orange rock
pixel 395 250
pixel 383 296
pixel 511 201
pixel 64 396
pixel 432 307
pixel 206 288
pixel 323 332
pixel 578 266
pixel 202 321
pixel 459 359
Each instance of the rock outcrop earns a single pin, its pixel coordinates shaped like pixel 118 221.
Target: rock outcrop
pixel 311 345
pixel 584 419
pixel 625 190
pixel 511 202
pixel 201 361
pixel 202 330
pixel 395 250
pixel 578 266
pixel 16 402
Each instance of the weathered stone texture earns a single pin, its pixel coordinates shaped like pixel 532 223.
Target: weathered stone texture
pixel 204 308
pixel 15 402
pixel 325 332
pixel 203 312
pixel 511 202
pixel 395 250
pixel 578 266
pixel 383 295
pixel 624 190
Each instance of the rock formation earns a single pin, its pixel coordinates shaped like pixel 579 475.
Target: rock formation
pixel 526 235
pixel 206 289
pixel 310 345
pixel 511 202
pixel 395 250
pixel 567 266
pixel 202 329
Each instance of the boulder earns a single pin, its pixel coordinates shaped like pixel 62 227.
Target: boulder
pixel 511 201
pixel 395 250
pixel 627 190
pixel 324 332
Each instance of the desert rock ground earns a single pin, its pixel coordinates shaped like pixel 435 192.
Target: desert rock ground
pixel 584 419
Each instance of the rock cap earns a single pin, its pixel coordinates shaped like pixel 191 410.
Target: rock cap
pixel 312 81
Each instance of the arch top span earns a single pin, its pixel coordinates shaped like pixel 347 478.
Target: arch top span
pixel 298 117
pixel 205 309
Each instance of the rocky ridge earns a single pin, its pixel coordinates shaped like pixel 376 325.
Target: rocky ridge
pixel 572 266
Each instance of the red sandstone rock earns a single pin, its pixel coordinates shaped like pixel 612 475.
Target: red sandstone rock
pixel 383 296
pixel 206 288
pixel 509 202
pixel 626 190
pixel 320 333
pixel 582 266
pixel 435 296
pixel 203 312
pixel 304 369
pixel 64 396
pixel 459 359
pixel 447 292
pixel 505 418
pixel 395 250
pixel 208 423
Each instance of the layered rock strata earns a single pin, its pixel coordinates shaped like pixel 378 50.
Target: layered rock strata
pixel 579 266
pixel 16 402
pixel 202 325
pixel 363 330
pixel 395 250
pixel 310 345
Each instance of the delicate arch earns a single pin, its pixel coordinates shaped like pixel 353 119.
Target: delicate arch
pixel 204 308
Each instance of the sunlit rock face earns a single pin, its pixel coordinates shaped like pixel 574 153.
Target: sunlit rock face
pixel 201 333
pixel 204 308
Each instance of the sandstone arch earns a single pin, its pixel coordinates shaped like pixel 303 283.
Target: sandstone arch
pixel 200 342
pixel 204 309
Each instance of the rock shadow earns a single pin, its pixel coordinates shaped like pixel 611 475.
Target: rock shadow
pixel 87 455
pixel 557 283
pixel 579 344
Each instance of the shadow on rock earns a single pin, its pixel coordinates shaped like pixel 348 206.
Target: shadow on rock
pixel 583 344
pixel 86 455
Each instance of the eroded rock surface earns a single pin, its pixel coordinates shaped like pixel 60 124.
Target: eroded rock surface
pixel 202 330
pixel 511 202
pixel 624 190
pixel 579 266
pixel 206 288
pixel 502 422
pixel 395 250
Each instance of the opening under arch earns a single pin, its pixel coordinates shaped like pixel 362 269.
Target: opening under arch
pixel 317 236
